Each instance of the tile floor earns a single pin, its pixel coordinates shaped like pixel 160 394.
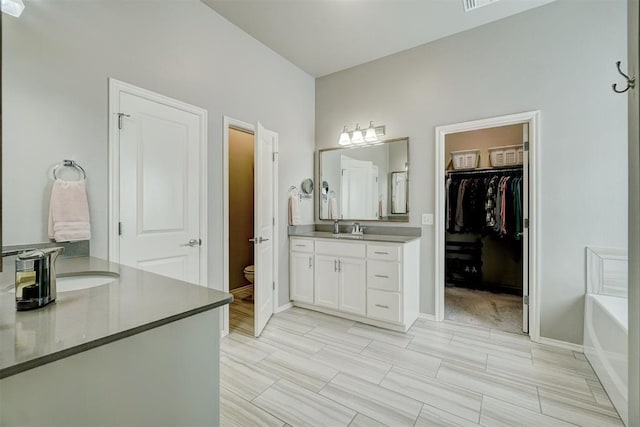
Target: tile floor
pixel 311 369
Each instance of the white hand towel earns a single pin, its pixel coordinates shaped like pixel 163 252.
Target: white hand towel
pixel 69 212
pixel 294 210
pixel 333 208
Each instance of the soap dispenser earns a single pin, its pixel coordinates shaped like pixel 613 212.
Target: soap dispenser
pixel 36 278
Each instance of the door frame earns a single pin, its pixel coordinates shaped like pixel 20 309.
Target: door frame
pixel 532 118
pixel 231 123
pixel 116 87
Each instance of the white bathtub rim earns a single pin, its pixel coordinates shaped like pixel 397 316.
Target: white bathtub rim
pixel 617 307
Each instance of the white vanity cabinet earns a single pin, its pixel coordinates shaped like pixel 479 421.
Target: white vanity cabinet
pixel 340 277
pixel 301 264
pixel 373 282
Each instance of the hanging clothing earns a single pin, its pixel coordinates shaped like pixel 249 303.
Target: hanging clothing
pixel 484 203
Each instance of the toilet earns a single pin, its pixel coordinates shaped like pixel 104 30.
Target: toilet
pixel 248 273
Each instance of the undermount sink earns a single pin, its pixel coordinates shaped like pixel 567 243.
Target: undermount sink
pixel 349 236
pixel 84 281
pixel 79 281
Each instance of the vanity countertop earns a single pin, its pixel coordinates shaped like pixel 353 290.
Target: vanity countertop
pixel 132 303
pixel 346 237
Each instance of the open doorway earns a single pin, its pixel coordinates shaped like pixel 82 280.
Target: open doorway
pixel 241 227
pixel 485 229
pixel 250 229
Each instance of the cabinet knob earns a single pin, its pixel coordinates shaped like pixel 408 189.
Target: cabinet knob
pixel 382 306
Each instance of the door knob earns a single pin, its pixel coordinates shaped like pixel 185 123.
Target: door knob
pixel 193 242
pixel 258 240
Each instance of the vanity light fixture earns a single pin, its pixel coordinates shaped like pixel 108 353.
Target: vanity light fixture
pixel 12 7
pixel 344 137
pixel 356 136
pixel 370 135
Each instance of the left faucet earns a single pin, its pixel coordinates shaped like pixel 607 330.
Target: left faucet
pixel 36 277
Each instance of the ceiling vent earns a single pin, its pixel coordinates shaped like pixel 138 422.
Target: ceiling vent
pixel 474 4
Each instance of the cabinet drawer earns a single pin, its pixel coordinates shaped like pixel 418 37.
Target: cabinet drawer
pixel 338 249
pixel 383 305
pixel 383 275
pixel 383 252
pixel 301 245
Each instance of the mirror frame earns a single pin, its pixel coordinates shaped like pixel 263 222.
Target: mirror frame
pixel 390 216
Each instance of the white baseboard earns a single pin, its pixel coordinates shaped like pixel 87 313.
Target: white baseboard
pixel 561 344
pixel 283 308
pixel 427 316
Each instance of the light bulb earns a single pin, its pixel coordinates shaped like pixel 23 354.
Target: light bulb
pixel 357 138
pixel 370 135
pixel 344 137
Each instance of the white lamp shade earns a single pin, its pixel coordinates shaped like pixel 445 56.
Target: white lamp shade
pixel 344 138
pixel 356 137
pixel 12 7
pixel 370 135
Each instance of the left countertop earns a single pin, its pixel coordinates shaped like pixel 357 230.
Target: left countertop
pixel 77 321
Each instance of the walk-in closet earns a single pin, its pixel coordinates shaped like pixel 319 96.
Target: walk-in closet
pixel 485 216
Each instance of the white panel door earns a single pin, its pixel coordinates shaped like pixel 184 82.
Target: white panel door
pixel 327 281
pixel 301 277
pixel 353 285
pixel 265 142
pixel 525 230
pixel 160 188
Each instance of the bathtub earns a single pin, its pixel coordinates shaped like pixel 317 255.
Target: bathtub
pixel 605 345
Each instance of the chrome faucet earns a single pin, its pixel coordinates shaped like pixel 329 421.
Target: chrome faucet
pixel 355 228
pixel 336 227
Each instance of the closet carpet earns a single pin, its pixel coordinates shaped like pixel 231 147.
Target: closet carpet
pixel 481 308
pixel 310 369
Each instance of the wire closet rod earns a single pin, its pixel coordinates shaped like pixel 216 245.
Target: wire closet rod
pixel 493 171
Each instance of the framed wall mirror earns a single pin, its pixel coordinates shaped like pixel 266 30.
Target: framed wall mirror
pixel 365 182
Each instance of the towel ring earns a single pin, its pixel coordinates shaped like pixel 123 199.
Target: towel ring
pixel 69 163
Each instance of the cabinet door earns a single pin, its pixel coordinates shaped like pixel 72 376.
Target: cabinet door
pixel 353 285
pixel 302 277
pixel 326 283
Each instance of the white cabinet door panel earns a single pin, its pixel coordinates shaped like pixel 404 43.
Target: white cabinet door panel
pixel 327 283
pixel 353 285
pixel 302 277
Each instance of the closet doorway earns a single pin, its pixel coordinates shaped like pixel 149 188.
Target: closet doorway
pixel 485 232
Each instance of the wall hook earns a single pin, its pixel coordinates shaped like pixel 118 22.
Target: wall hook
pixel 631 81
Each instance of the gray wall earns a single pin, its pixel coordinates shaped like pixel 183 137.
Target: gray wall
pixel 56 60
pixel 558 59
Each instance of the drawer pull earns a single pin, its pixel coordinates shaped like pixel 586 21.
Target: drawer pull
pixel 382 306
pixel 381 276
pixel 301 246
pixel 381 253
